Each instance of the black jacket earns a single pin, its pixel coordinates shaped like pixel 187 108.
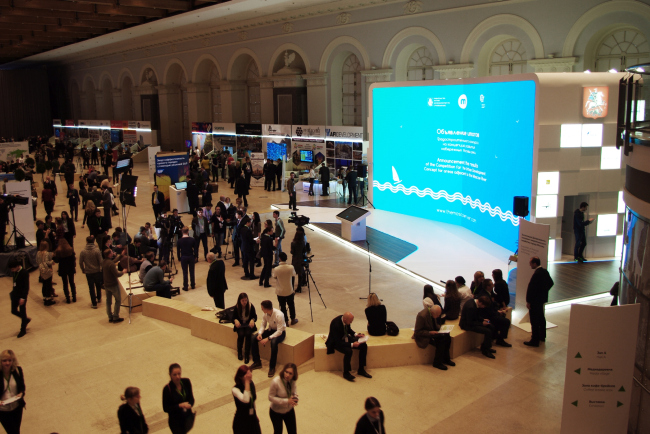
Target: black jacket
pixel 364 426
pixel 192 194
pixel 469 317
pixel 337 335
pixel 67 264
pixel 217 278
pixel 171 398
pixel 20 289
pixel 579 222
pixel 266 245
pixel 161 198
pixel 130 421
pixel 376 316
pixel 539 286
pixel 247 241
pixel 252 315
pixel 501 293
pixel 324 174
pixel 97 226
pixel 241 186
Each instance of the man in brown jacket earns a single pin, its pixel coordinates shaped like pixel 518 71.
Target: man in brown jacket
pixel 111 286
pixel 426 332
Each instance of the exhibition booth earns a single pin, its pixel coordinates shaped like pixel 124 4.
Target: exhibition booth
pixel 105 133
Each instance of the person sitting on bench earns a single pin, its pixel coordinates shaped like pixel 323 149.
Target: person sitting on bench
pixel 426 331
pixel 343 339
pixel 471 321
pixel 146 265
pixel 154 280
pixel 275 334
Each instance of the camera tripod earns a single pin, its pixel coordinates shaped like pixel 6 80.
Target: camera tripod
pixel 308 276
pixel 15 231
pixel 228 236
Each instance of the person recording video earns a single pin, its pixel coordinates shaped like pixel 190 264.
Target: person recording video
pixel 163 224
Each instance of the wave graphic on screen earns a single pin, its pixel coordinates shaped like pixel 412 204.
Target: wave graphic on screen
pixel 465 200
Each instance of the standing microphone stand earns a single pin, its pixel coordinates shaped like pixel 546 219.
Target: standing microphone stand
pixel 128 262
pixel 369 275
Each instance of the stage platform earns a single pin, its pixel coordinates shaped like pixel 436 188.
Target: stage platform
pixel 439 251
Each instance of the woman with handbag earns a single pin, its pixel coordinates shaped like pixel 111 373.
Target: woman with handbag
pixel 376 316
pixel 178 400
pixel 130 413
pixel 45 262
pixel 246 420
pixel 245 318
pixel 65 256
pixel 13 390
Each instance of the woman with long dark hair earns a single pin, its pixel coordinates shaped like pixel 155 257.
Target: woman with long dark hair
pixel 13 389
pixel 45 262
pixel 130 413
pixel 373 421
pixel 65 256
pixel 178 400
pixel 452 301
pixel 245 318
pixel 70 233
pixel 246 420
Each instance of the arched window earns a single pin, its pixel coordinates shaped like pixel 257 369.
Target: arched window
pixel 351 91
pixel 508 58
pixel 215 95
pixel 620 49
pixel 420 65
pixel 254 103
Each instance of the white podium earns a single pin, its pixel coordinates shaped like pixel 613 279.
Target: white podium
pixel 178 200
pixel 353 223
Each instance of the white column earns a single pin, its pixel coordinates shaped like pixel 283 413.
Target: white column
pixel 198 101
pixel 317 110
pixel 233 101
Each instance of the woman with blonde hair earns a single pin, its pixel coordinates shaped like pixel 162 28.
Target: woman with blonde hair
pixel 89 211
pixel 130 413
pixel 12 400
pixel 45 262
pixel 65 256
pixel 376 315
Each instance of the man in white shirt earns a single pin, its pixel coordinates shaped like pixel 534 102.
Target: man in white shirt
pixel 464 291
pixel 275 334
pixel 284 287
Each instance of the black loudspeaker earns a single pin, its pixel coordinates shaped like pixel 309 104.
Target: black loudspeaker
pixel 520 206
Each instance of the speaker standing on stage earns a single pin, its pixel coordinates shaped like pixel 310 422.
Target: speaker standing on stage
pixel 157 201
pixel 178 400
pixel 284 397
pixel 536 296
pixel 579 224
pixel 343 339
pixel 216 282
pixel 13 386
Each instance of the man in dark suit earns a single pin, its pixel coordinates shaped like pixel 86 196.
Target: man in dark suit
pixel 216 282
pixel 269 175
pixel 471 321
pixel 192 197
pixel 278 173
pixel 579 225
pixel 536 296
pixel 343 339
pixel 324 173
pixel 236 235
pixel 206 193
pixel 499 324
pixel 107 203
pixel 18 294
pixel 157 201
pixel 426 332
pixel 351 178
pixel 248 250
pixel 98 227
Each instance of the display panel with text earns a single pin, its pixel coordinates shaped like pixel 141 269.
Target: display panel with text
pixel 455 153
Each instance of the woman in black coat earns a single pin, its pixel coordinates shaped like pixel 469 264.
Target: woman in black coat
pixel 130 413
pixel 373 421
pixel 178 400
pixel 245 319
pixel 267 247
pixel 65 256
pixel 376 316
pixel 13 385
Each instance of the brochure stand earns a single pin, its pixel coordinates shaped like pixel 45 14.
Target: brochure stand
pixel 353 223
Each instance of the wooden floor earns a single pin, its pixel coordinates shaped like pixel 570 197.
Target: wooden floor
pixel 381 244
pixel 578 280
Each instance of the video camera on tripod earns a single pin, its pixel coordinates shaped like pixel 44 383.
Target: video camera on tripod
pixel 12 199
pixel 298 220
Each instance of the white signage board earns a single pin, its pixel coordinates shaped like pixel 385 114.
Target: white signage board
pixel 599 369
pixel 308 131
pixel 257 161
pixel 152 151
pixel 344 134
pixel 23 214
pixel 7 150
pixel 533 241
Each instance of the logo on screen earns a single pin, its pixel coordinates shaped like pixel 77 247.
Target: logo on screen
pixel 430 102
pixel 462 101
pixel 482 98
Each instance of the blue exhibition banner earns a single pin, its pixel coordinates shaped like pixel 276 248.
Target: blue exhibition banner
pixel 170 169
pixel 455 153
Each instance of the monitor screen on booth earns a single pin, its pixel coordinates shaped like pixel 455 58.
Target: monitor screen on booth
pixel 180 185
pixel 466 151
pixel 352 213
pixel 122 164
pixel 307 156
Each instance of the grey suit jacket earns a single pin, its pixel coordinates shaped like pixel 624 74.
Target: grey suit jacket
pixel 424 323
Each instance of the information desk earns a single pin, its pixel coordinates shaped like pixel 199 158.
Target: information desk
pixel 178 200
pixel 318 187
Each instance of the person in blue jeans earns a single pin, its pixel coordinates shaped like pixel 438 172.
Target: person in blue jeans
pixel 271 331
pixel 187 248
